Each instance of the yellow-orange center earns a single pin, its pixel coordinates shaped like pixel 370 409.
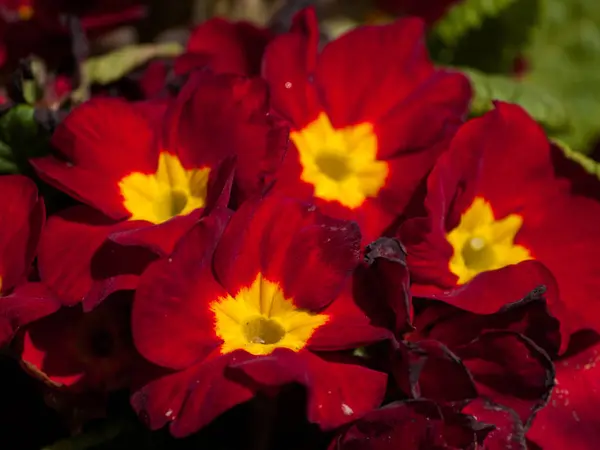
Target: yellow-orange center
pixel 170 192
pixel 481 242
pixel 341 164
pixel 25 12
pixel 259 319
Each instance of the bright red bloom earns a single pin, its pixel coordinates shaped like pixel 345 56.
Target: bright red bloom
pixel 150 189
pixel 270 307
pixel 22 216
pixel 428 10
pixel 500 196
pixel 369 115
pixel 571 420
pixel 226 47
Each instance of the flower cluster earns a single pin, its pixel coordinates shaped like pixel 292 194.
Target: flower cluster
pixel 321 216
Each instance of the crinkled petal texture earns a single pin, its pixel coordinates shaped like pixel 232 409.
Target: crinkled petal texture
pixel 241 304
pixel 412 425
pixel 369 116
pixel 231 47
pixel 500 197
pixel 22 216
pixel 500 356
pixel 571 419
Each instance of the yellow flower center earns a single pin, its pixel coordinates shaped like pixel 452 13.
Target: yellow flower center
pixel 341 164
pixel 482 243
pixel 170 192
pixel 25 12
pixel 259 319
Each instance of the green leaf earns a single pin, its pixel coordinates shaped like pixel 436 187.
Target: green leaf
pixel 564 58
pixel 113 66
pixel 467 15
pixel 21 138
pixel 488 35
pixel 548 110
pixel 589 165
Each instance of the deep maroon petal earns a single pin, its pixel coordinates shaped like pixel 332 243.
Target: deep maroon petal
pixel 511 370
pixel 411 425
pixel 509 432
pixel 428 369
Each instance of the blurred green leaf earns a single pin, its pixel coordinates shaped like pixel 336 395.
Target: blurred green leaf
pixel 589 165
pixel 564 58
pixel 490 42
pixel 467 15
pixel 21 138
pixel 111 67
pixel 540 104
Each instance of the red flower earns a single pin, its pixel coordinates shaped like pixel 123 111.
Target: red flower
pixel 571 418
pixel 226 47
pixel 369 115
pixel 270 307
pixel 21 220
pixel 150 189
pixel 503 195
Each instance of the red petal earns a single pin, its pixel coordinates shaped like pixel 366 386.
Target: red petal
pixel 289 64
pixel 234 47
pixel 21 223
pixel 509 433
pixel 333 399
pixel 455 327
pixel 571 419
pixel 291 243
pixel 83 350
pixel 27 303
pixel 348 326
pixel 410 425
pixel 171 320
pixel 192 398
pixel 217 116
pixel 418 367
pixel 74 252
pixel 102 141
pixel 510 370
pixel 392 63
pixel 387 279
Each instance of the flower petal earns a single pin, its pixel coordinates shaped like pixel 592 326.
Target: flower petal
pixel 571 420
pixel 101 141
pixel 21 221
pixel 511 370
pixel 172 323
pixel 333 399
